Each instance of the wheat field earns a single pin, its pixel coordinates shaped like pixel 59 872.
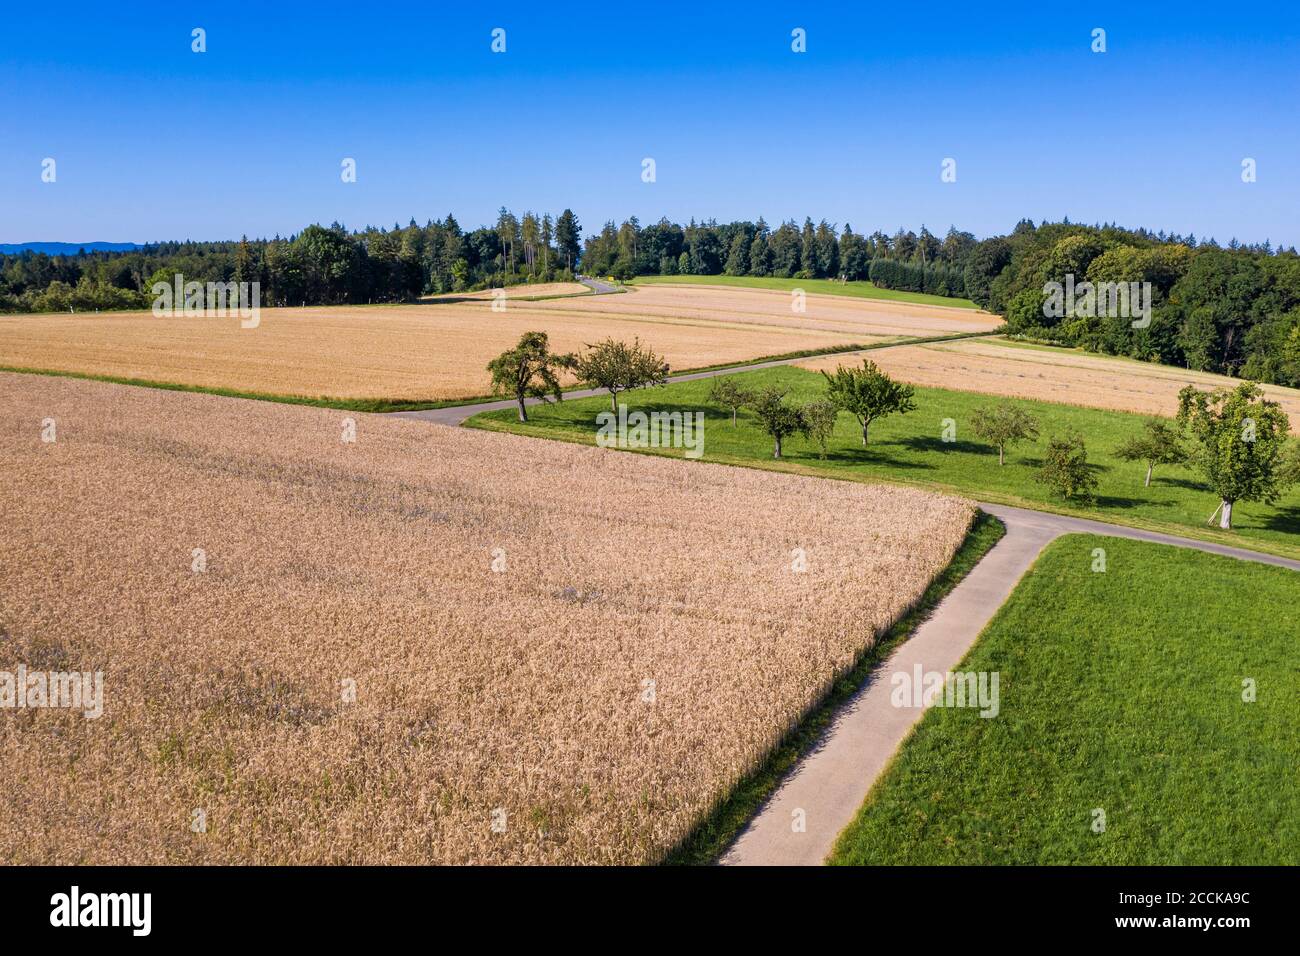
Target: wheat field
pixel 308 656
pixel 439 351
pixel 1063 376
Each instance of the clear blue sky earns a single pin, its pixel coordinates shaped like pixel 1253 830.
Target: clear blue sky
pixel 155 142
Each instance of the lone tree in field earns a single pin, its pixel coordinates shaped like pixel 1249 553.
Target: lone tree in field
pixel 528 371
pixel 725 391
pixel 777 418
pixel 1065 468
pixel 819 417
pixel 1003 424
pixel 1159 444
pixel 867 394
pixel 1239 440
pixel 618 367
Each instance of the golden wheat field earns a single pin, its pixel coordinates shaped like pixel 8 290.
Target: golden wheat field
pixel 1058 375
pixel 322 651
pixel 438 351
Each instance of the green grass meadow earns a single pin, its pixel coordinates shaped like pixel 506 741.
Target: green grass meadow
pixel 1119 692
pixel 911 449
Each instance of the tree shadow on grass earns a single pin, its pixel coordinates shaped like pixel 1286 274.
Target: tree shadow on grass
pixel 872 455
pixel 1285 519
pixel 1190 484
pixel 1116 501
pixel 930 443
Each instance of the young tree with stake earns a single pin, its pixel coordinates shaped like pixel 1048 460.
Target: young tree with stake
pixel 867 394
pixel 1239 441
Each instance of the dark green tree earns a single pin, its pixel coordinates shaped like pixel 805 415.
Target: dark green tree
pixel 1065 468
pixel 776 418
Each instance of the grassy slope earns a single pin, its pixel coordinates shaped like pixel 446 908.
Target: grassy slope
pixel 1120 691
pixel 861 290
pixel 908 449
pixel 716 832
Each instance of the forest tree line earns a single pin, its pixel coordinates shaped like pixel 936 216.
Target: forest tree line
pixel 1233 309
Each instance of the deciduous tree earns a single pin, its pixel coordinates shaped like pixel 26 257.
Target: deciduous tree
pixel 1003 424
pixel 726 391
pixel 868 394
pixel 618 367
pixel 1158 444
pixel 529 371
pixel 1065 468
pixel 777 418
pixel 819 417
pixel 1239 437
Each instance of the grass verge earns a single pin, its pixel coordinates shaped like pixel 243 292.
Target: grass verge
pixel 1121 692
pixel 708 841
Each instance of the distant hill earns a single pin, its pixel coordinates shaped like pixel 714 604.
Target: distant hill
pixel 65 248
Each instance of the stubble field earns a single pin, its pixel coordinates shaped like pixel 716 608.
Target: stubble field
pixel 994 367
pixel 438 351
pixel 645 644
pixel 525 291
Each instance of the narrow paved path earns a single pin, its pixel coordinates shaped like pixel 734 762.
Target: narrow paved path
pixel 831 782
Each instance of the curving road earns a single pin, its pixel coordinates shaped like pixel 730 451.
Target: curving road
pixel 598 286
pixel 830 783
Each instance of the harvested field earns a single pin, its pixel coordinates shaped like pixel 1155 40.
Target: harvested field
pixel 516 292
pixel 438 351
pixel 329 562
pixel 1056 375
pixel 854 319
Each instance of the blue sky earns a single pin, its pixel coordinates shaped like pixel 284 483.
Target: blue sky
pixel 153 141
